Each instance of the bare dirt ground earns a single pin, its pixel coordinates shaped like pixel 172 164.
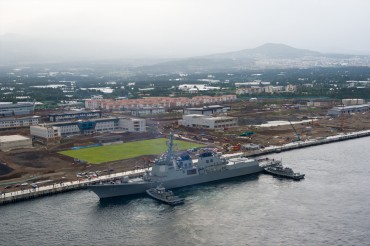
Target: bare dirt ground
pixel 44 163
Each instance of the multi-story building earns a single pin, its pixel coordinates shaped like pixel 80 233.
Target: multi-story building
pixel 165 102
pixel 67 116
pixel 10 109
pixel 46 134
pixel 147 111
pixel 250 90
pixel 207 110
pixel 266 89
pixel 290 88
pixel 356 101
pixel 319 103
pixel 11 123
pixel 86 127
pixel 132 125
pixel 208 122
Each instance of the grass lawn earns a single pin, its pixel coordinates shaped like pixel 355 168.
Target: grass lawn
pixel 96 155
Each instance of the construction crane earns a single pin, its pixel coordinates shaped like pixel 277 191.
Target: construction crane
pixel 298 136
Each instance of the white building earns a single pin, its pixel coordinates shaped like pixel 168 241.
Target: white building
pixel 356 101
pixel 290 88
pixel 98 97
pixel 11 142
pixel 207 110
pixel 46 134
pixel 67 116
pixel 132 125
pixel 197 87
pixel 204 121
pixel 9 123
pixel 147 111
pixel 54 130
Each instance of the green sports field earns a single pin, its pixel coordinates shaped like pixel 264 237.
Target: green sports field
pixel 96 155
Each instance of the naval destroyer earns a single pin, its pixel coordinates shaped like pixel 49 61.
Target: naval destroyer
pixel 174 172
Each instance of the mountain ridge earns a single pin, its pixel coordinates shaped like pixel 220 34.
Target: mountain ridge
pixel 268 50
pixel 17 49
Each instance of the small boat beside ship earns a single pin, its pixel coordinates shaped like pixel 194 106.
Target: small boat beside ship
pixel 161 194
pixel 284 172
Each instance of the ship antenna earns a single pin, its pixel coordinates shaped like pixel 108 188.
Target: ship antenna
pixel 170 146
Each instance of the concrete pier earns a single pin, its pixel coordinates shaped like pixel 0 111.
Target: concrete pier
pixel 47 190
pixel 55 188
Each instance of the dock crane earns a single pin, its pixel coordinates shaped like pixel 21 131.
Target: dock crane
pixel 298 136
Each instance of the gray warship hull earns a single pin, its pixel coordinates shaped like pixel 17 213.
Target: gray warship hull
pixel 132 188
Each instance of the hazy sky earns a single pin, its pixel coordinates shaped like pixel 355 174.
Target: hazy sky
pixel 175 28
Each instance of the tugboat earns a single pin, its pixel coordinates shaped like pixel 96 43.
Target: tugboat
pixel 285 172
pixel 161 194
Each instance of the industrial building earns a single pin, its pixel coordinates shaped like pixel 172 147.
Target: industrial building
pixel 10 109
pixel 207 110
pixel 62 129
pixel 337 111
pixel 11 123
pixel 68 116
pixel 11 142
pixel 209 122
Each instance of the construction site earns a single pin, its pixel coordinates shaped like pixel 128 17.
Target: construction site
pixel 260 125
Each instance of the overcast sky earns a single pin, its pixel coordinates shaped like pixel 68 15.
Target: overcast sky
pixel 181 28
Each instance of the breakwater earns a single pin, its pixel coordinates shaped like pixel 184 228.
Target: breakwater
pixel 56 188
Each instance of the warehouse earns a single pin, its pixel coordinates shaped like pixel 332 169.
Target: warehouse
pixel 11 142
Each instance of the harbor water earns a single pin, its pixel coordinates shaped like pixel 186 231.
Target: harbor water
pixel 329 207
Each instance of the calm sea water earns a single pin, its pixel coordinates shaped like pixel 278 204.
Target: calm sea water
pixel 331 206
